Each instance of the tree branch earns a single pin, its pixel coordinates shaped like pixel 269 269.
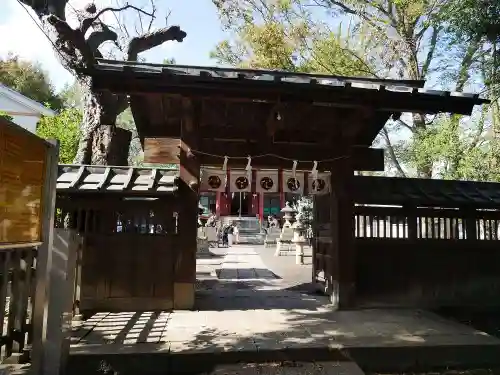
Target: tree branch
pixel 392 154
pixel 99 36
pixel 430 53
pixel 72 43
pixel 44 7
pixel 405 124
pixel 153 39
pixel 88 22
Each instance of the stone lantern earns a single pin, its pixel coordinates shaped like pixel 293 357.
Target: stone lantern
pixel 286 237
pixel 288 215
pixel 299 241
pixel 201 238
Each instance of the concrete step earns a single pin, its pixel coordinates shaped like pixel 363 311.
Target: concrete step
pixel 369 358
pixel 251 239
pixel 289 368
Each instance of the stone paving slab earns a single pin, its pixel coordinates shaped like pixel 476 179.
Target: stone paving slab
pixel 279 328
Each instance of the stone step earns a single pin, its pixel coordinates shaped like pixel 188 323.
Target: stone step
pixel 289 368
pixel 372 358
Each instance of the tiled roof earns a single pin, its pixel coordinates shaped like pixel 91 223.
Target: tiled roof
pixel 411 87
pixel 425 192
pixel 110 179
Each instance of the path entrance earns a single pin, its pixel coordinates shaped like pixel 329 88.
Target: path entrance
pixel 250 277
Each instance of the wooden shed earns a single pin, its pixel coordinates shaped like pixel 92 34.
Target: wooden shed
pixel 418 242
pixel 134 256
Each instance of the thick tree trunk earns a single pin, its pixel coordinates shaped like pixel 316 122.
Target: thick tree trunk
pixel 101 142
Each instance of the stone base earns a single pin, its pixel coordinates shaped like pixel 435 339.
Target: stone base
pixel 203 246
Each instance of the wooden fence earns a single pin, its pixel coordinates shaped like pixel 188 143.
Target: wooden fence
pixel 426 223
pixel 17 285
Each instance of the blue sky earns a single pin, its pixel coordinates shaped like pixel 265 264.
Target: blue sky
pixel 200 22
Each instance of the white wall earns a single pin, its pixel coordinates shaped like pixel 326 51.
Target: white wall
pixel 21 115
pixel 27 122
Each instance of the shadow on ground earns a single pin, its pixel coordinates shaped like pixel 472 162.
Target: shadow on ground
pixel 378 340
pixel 272 320
pixel 483 320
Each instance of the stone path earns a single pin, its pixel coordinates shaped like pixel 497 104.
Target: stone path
pixel 241 278
pixel 247 313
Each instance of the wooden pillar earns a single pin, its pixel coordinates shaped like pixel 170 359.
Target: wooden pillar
pixel 218 203
pixel 185 266
pixel 341 282
pixel 224 208
pixel 178 151
pixel 261 206
pixel 280 188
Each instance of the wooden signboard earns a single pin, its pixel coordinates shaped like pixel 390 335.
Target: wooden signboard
pixel 22 170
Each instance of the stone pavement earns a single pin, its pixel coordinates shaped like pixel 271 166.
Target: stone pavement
pixel 240 278
pixel 248 313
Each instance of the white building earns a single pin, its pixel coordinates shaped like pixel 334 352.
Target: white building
pixel 24 111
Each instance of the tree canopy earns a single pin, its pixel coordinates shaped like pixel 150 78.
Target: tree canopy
pixel 65 127
pixel 29 79
pixel 418 39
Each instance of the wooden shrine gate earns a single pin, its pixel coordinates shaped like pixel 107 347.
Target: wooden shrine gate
pixel 200 116
pixel 133 254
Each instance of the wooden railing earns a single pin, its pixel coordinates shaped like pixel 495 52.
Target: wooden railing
pixel 426 223
pixel 17 280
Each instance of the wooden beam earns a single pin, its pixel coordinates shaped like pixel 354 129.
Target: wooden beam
pixel 211 153
pixel 250 90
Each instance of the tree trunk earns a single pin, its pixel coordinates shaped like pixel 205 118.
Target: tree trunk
pixel 424 170
pixel 101 142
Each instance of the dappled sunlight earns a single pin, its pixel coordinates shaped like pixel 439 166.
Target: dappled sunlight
pixel 245 319
pixel 276 329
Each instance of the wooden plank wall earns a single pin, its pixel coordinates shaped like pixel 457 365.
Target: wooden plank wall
pixel 428 257
pixel 22 169
pixel 129 251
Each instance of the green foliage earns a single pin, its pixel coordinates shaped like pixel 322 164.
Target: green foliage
pixel 304 208
pixel 6 116
pixel 72 95
pixel 471 18
pixel 407 39
pixel 283 35
pixel 64 127
pixel 28 79
pixel 169 61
